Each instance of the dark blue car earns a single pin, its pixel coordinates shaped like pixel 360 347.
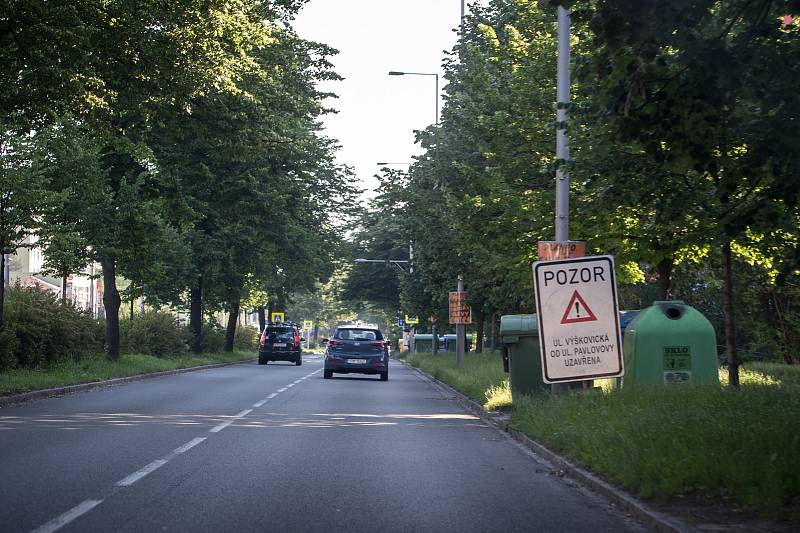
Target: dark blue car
pixel 359 350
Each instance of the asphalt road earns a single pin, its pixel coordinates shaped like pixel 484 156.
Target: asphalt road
pixel 276 448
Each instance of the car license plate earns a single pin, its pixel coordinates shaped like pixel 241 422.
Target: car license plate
pixel 357 361
pixel 280 345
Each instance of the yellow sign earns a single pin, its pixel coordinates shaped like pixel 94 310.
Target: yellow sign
pixel 276 317
pixel 308 324
pixel 413 320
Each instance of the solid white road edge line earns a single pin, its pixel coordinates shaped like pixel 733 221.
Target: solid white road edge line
pixel 64 519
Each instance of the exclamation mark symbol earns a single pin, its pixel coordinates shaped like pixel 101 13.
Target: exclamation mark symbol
pixel 578 309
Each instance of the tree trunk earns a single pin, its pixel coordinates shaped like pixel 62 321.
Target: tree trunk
pixel 64 288
pixel 230 331
pixel 132 307
pixel 491 331
pixel 480 316
pixel 262 318
pixel 2 286
pixel 270 309
pixel 664 269
pixel 730 324
pixel 196 315
pixel 434 340
pixel 111 303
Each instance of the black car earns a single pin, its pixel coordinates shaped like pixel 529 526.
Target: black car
pixel 280 342
pixel 357 349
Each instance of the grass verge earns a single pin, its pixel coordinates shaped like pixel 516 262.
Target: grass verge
pixel 481 378
pixel 97 368
pixel 739 446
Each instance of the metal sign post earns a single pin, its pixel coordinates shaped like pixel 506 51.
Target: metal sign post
pixel 460 315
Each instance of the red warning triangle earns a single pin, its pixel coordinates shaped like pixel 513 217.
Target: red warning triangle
pixel 577 311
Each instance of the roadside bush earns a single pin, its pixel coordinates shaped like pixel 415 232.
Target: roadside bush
pixel 8 343
pixel 246 339
pixel 155 333
pixel 213 336
pixel 45 330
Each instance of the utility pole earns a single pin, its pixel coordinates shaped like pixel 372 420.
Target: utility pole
pixel 562 107
pixel 562 147
pixel 460 331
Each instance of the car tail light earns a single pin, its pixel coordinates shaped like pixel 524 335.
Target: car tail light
pixel 263 340
pixel 296 339
pixel 334 342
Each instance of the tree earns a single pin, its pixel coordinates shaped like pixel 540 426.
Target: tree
pixel 703 86
pixel 24 195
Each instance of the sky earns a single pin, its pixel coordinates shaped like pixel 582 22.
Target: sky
pixel 378 113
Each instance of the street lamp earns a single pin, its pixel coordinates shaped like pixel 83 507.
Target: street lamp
pixel 435 75
pixel 395 262
pixel 399 264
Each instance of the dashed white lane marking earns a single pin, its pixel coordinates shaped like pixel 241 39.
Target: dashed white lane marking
pixel 136 476
pixel 158 463
pixel 189 445
pixel 64 519
pixel 223 425
pixel 86 506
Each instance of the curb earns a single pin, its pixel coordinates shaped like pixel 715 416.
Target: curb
pixel 82 387
pixel 650 518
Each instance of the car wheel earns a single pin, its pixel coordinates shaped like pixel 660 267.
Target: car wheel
pixel 328 374
pixel 385 376
pixel 298 361
pixel 262 361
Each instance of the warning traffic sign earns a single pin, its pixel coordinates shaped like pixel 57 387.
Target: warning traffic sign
pixel 579 334
pixel 575 306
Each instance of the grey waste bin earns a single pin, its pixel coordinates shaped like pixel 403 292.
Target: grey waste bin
pixel 423 342
pixel 520 335
pixel 449 342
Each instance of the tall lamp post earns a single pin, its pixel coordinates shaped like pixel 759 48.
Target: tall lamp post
pixel 436 77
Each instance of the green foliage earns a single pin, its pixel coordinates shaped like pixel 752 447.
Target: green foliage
pixel 8 347
pixel 246 339
pixel 156 333
pixel 46 331
pixel 213 336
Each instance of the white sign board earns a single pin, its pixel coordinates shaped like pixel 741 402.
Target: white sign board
pixel 579 333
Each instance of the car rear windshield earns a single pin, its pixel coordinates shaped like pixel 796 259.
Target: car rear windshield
pixel 281 334
pixel 359 335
